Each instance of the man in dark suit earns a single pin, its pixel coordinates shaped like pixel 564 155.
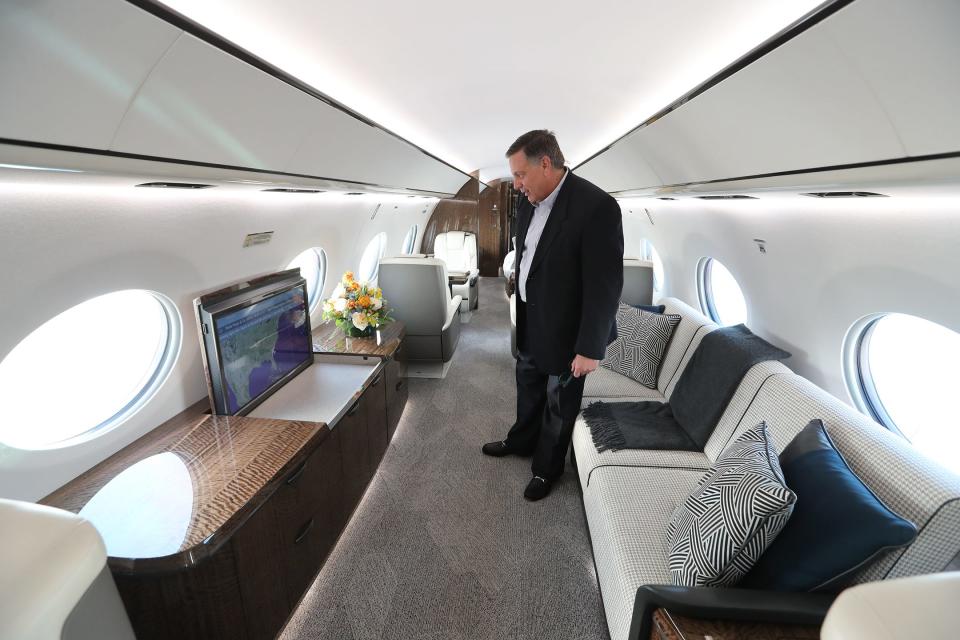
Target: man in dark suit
pixel 569 275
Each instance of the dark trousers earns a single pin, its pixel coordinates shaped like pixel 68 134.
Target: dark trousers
pixel 546 414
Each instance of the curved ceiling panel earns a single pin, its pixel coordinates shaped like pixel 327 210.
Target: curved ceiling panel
pixel 202 104
pixel 70 69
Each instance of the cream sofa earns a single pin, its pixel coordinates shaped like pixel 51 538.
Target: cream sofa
pixel 630 495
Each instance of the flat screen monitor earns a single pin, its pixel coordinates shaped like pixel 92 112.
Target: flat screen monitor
pixel 256 338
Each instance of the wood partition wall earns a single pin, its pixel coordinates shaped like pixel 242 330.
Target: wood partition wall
pixel 485 214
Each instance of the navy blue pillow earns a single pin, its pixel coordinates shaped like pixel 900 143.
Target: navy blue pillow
pixel 838 525
pixel 650 308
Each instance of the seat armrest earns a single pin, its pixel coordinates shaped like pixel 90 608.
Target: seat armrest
pixel 453 307
pixel 751 605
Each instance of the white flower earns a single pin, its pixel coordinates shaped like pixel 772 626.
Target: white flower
pixel 376 303
pixel 340 304
pixel 339 292
pixel 327 306
pixel 359 320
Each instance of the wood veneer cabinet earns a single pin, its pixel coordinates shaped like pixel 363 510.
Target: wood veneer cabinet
pixel 225 521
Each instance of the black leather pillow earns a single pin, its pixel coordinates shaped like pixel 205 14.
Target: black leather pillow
pixel 838 525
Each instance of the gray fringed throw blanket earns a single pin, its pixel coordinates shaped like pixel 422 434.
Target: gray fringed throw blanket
pixel 698 401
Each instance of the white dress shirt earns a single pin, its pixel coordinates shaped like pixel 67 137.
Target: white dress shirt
pixel 537 223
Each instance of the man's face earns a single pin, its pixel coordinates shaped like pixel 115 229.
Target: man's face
pixel 531 178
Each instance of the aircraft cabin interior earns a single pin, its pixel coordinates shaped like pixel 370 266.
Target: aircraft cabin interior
pixel 432 320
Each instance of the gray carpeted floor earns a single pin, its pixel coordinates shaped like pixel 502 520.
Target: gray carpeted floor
pixel 443 545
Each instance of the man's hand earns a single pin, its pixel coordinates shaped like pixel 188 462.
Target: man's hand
pixel 582 365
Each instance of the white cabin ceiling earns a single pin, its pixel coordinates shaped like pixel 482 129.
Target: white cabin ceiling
pixel 463 81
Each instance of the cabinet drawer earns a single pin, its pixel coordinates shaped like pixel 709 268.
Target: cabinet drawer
pixel 311 530
pixel 396 395
pixel 355 454
pixel 375 397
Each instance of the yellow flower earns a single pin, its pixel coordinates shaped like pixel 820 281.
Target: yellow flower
pixel 363 301
pixel 354 286
pixel 348 276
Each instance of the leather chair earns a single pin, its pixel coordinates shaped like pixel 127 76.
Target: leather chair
pixel 637 282
pixel 459 250
pixel 418 295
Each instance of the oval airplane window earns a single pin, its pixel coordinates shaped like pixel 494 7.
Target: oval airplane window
pixel 313 267
pixel 905 375
pixel 370 261
pixel 649 252
pixel 88 369
pixel 720 296
pixel 408 242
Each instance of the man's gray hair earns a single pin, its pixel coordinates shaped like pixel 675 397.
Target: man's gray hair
pixel 536 144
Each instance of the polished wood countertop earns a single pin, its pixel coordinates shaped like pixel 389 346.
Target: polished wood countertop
pixel 174 496
pixel 327 338
pixel 670 626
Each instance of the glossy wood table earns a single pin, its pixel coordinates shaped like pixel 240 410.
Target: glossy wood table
pixel 669 626
pixel 328 338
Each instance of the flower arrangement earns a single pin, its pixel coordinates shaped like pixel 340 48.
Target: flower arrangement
pixel 356 307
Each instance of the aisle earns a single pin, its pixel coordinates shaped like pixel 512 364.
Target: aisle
pixel 443 545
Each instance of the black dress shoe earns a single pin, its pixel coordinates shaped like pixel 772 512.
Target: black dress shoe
pixel 497 449
pixel 536 489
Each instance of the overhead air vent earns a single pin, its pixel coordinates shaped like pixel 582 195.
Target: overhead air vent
pixel 354 193
pixel 176 185
pixel 730 197
pixel 279 190
pixel 844 194
pixel 666 198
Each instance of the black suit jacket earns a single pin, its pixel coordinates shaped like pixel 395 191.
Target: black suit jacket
pixel 575 280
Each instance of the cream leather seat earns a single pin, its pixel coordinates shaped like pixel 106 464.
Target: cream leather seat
pixel 458 249
pixel 637 282
pixel 417 294
pixel 55 583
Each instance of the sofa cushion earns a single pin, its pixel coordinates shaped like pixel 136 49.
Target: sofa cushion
pixel 837 525
pixel 627 512
pixel 724 525
pixel 589 460
pixel 641 342
pixel 604 383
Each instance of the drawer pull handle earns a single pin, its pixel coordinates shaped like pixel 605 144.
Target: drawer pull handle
pixel 354 408
pixel 296 474
pixel 377 380
pixel 304 531
pixel 399 384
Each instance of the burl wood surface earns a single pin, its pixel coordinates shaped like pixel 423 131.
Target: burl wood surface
pixel 234 464
pixel 669 626
pixel 328 338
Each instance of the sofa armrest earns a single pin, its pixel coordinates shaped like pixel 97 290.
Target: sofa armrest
pixel 727 604
pixel 453 307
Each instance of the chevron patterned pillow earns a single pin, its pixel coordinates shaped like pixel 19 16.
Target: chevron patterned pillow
pixel 642 339
pixel 740 506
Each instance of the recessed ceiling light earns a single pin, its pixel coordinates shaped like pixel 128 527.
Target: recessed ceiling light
pixel 175 185
pixel 844 194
